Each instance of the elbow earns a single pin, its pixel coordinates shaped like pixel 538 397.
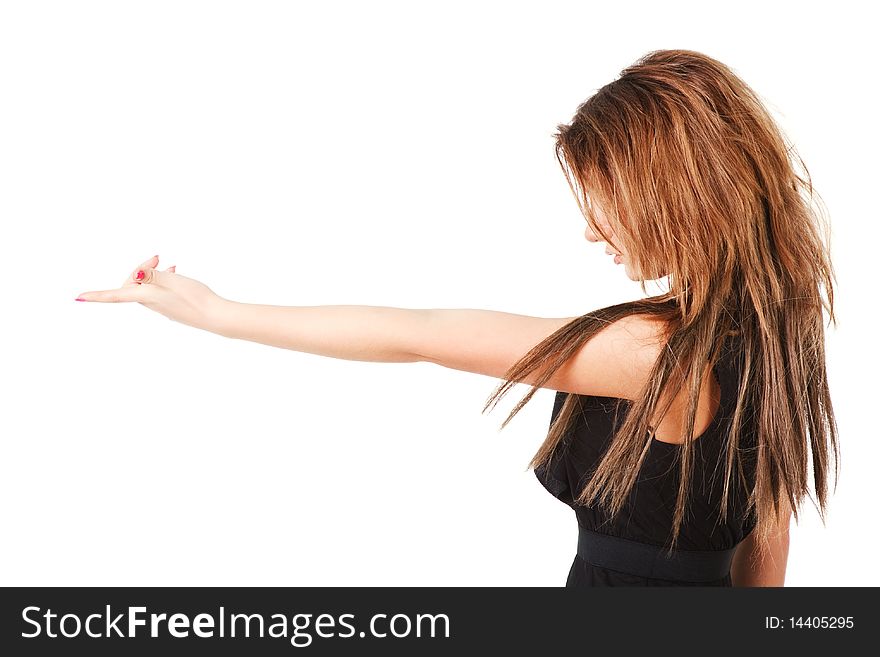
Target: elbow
pixel 753 567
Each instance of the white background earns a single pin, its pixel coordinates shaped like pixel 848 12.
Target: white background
pixel 376 153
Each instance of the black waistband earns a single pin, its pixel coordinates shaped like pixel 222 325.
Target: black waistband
pixel 645 560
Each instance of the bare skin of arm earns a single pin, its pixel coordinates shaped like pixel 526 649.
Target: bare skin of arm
pixel 484 342
pixel 613 363
pixel 748 569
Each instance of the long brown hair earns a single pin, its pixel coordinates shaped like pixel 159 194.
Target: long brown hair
pixel 701 185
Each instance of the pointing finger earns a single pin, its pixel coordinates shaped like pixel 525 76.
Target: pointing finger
pixel 121 295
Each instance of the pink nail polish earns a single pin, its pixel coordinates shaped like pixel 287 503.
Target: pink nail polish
pixel 140 275
pixel 78 299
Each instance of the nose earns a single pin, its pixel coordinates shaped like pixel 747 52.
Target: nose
pixel 592 237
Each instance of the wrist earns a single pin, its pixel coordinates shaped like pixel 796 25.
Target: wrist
pixel 219 315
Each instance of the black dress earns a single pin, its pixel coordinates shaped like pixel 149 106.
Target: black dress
pixel 647 515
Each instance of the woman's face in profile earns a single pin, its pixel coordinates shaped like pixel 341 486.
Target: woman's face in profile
pixel 619 257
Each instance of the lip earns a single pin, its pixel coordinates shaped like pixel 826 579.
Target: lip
pixel 618 259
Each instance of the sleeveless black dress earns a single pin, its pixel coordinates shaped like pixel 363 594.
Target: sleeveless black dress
pixel 647 515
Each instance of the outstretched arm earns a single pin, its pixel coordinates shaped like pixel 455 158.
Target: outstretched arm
pixel 613 363
pixel 472 340
pixel 483 341
pixel 367 333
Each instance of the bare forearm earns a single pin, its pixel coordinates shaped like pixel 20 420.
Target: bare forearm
pixel 367 333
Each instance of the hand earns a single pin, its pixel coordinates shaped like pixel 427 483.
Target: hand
pixel 179 298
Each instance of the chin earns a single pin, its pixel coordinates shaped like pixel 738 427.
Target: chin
pixel 635 276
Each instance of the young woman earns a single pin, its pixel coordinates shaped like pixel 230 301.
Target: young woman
pixel 683 422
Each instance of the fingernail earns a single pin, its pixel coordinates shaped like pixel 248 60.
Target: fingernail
pixel 140 275
pixel 80 299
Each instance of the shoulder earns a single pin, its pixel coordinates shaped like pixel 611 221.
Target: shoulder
pixel 617 361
